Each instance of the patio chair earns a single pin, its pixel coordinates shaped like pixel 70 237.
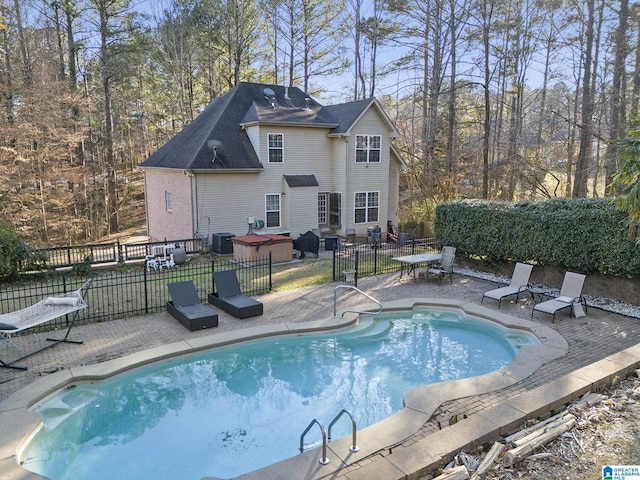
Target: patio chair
pixel 186 307
pixel 445 266
pixel 44 311
pixel 350 236
pixel 228 296
pixel 570 295
pixel 518 284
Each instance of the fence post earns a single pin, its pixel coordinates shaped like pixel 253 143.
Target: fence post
pixel 213 269
pixel 375 259
pixel 270 271
pixel 355 282
pixel 120 256
pixel 146 289
pixel 333 273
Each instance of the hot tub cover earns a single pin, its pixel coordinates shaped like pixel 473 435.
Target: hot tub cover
pixel 265 239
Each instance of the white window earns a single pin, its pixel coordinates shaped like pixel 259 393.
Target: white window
pixel 322 209
pixel 167 201
pixel 272 209
pixel 366 207
pixel 368 148
pixel 276 147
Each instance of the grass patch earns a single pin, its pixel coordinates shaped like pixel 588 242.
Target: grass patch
pixel 303 274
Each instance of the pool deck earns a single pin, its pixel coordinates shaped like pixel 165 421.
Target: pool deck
pixel 601 345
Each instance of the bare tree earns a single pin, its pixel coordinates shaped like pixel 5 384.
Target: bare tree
pixel 586 136
pixel 618 97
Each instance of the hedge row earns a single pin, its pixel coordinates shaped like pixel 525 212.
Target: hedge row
pixel 584 235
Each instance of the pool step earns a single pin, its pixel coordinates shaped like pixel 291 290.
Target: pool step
pixel 378 328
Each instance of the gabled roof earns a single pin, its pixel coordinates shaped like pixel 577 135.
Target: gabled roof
pixel 217 140
pixel 349 113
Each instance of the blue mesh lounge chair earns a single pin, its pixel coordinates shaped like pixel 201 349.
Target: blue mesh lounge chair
pixel 186 307
pixel 518 284
pixel 228 296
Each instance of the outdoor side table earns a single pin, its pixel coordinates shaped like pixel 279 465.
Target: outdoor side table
pixel 538 294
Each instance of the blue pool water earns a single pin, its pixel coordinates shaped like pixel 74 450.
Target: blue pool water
pixel 235 409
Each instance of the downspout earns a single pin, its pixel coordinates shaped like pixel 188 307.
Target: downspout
pixel 346 186
pixel 195 217
pixel 146 202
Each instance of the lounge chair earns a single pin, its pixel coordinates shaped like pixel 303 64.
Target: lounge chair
pixel 445 266
pixel 228 296
pixel 186 307
pixel 570 295
pixel 518 284
pixel 44 311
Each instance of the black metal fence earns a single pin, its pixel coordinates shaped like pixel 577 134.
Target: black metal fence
pixel 135 290
pixel 369 259
pixel 132 290
pixel 60 257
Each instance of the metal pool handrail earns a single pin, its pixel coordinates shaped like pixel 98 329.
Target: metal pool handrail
pixel 323 460
pixel 335 292
pixel 354 447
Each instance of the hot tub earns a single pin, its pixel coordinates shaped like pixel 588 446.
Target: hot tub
pixel 251 246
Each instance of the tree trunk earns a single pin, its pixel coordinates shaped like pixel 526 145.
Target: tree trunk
pixel 581 175
pixel 616 124
pixel 71 47
pixel 26 61
pixel 487 14
pixel 111 193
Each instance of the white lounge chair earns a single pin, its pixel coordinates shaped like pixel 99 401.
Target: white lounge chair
pixel 570 295
pixel 445 267
pixel 518 284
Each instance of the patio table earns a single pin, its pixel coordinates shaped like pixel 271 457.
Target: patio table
pixel 414 261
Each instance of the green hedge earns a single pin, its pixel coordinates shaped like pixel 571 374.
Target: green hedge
pixel 584 235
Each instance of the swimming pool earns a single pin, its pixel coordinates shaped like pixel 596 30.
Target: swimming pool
pixel 273 388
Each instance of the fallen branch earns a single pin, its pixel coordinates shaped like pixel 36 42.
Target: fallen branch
pixel 537 456
pixel 526 431
pixel 488 461
pixel 588 400
pixel 456 473
pixel 517 454
pixel 542 430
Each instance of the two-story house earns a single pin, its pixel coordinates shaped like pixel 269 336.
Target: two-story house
pixel 274 155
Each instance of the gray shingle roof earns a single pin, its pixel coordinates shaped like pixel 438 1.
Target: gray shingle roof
pixel 348 113
pixel 216 138
pixel 301 181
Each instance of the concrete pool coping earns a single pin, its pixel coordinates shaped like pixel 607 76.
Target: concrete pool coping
pixel 18 423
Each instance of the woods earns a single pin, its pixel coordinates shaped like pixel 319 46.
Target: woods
pixel 497 100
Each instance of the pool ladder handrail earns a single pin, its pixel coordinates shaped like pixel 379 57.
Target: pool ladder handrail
pixel 351 287
pixel 354 447
pixel 323 460
pixel 327 437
